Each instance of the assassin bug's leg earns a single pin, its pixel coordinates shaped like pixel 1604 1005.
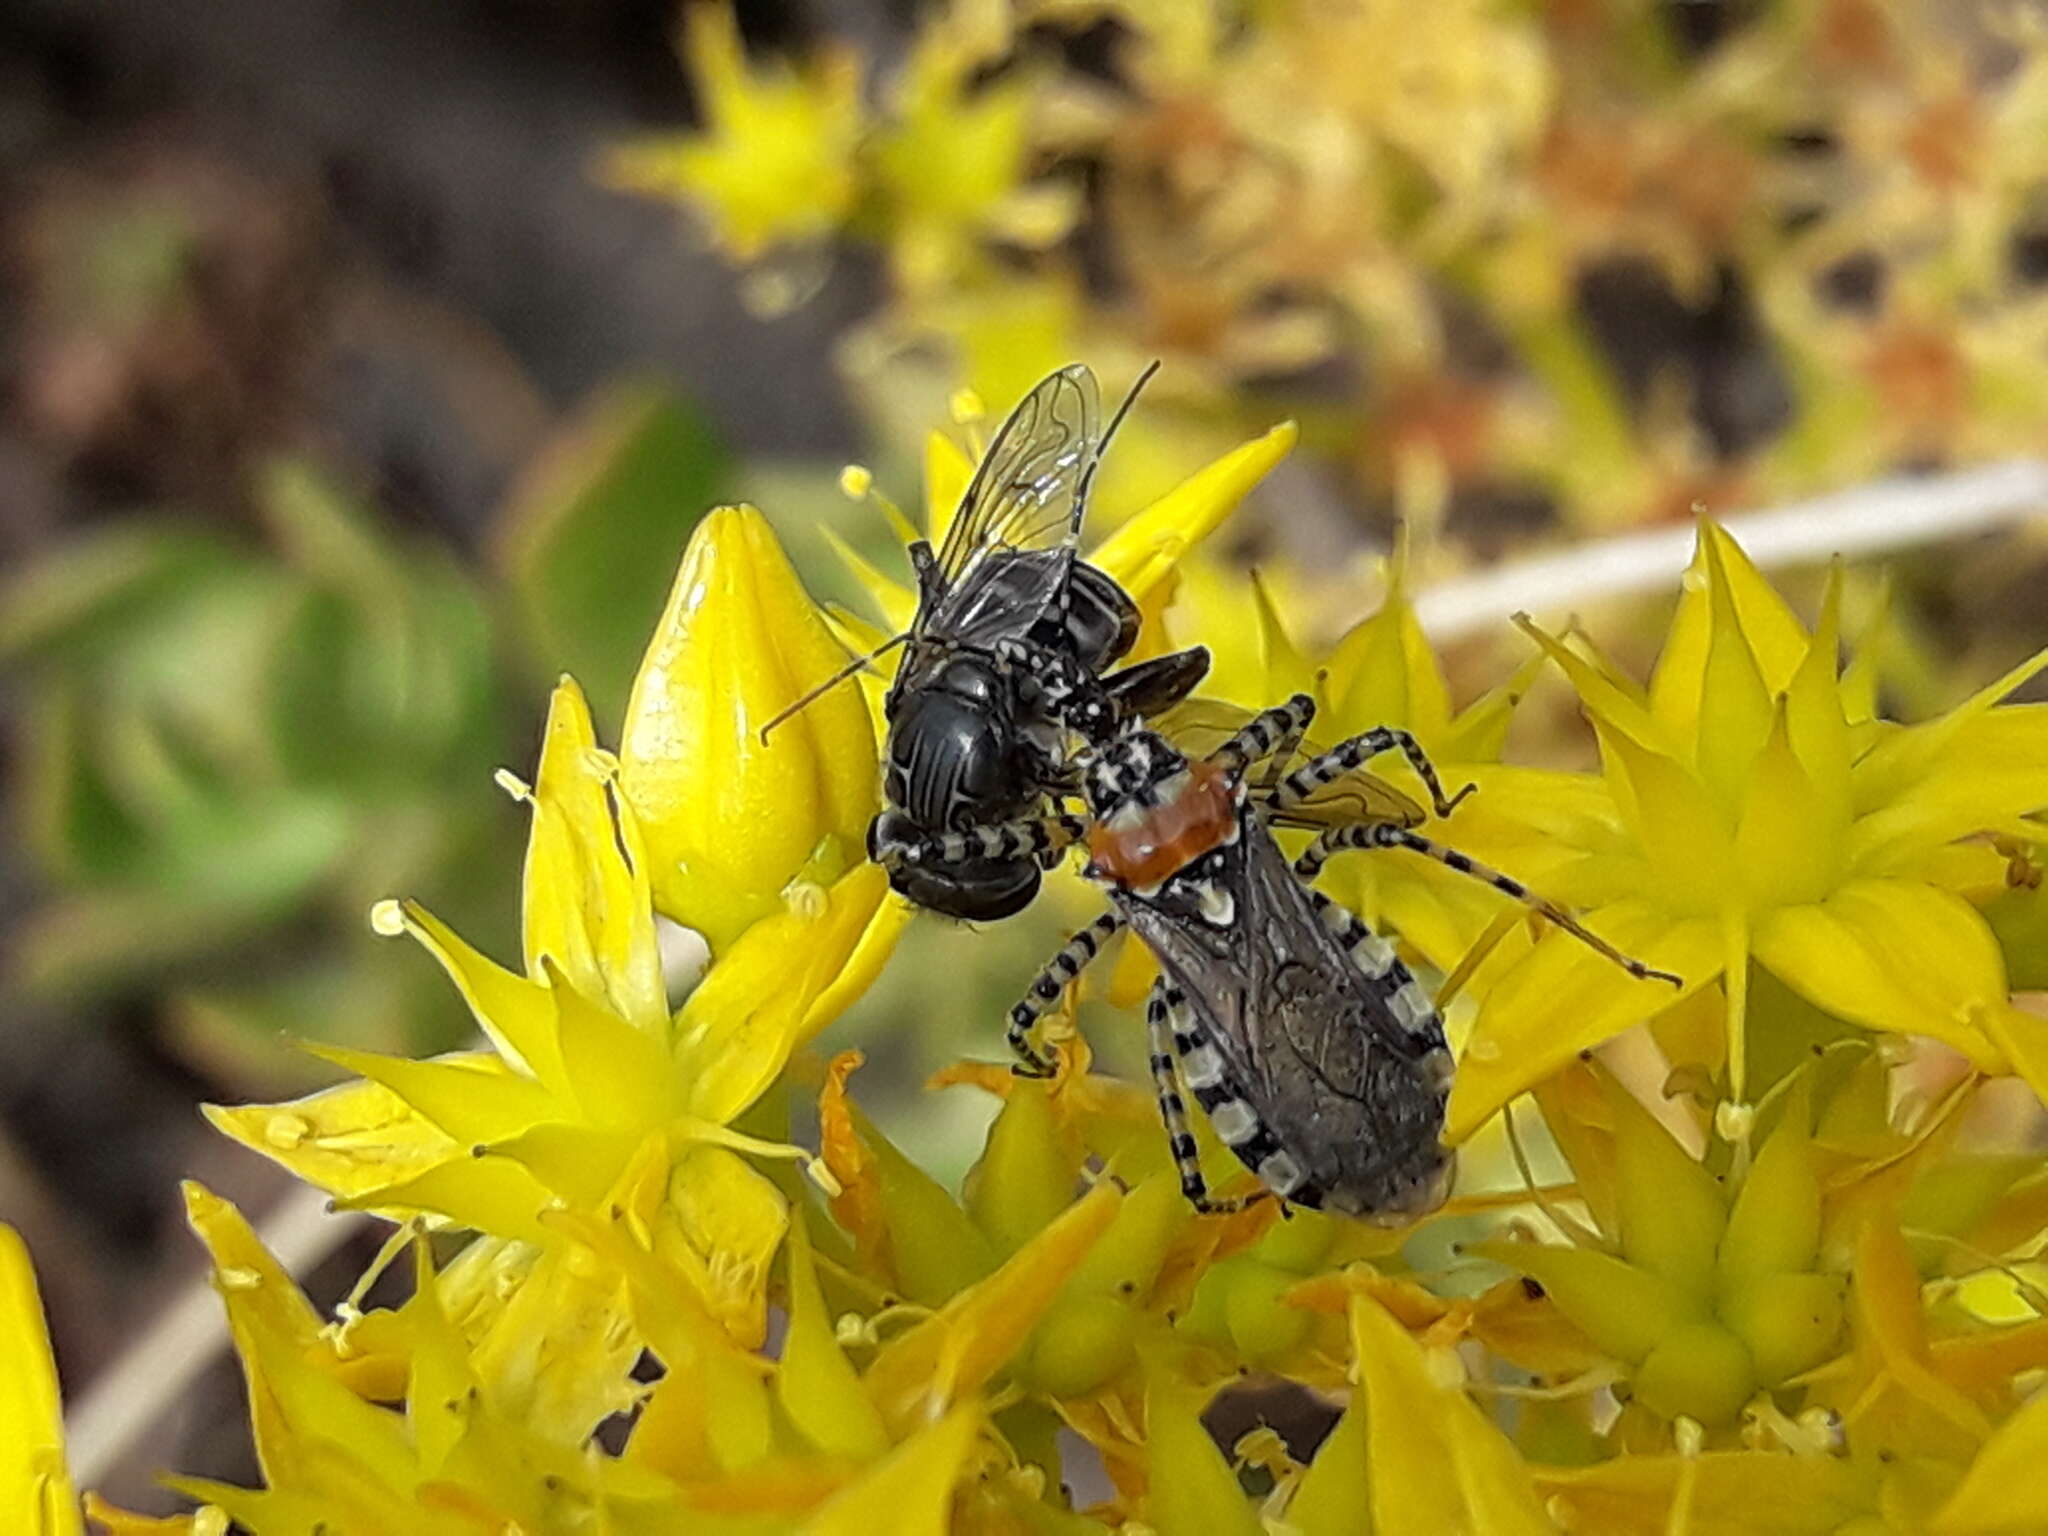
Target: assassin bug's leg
pixel 1044 993
pixel 1235 1121
pixel 1165 1022
pixel 1381 834
pixel 1271 733
pixel 1042 837
pixel 1347 755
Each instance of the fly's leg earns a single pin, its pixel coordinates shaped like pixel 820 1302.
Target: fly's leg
pixel 1044 994
pixel 1381 834
pixel 1041 837
pixel 1355 753
pixel 1273 733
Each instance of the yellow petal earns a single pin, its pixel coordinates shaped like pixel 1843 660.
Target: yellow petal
pixel 783 981
pixel 896 603
pixel 1791 846
pixel 1191 1490
pixel 1683 832
pixel 2003 1491
pixel 35 1487
pixel 815 1383
pixel 953 1354
pixel 618 1075
pixel 910 1492
pixel 587 902
pixel 1735 701
pixel 346 1140
pixel 516 1014
pixel 1892 955
pixel 1437 1463
pixel 1815 714
pixel 471 1095
pixel 733 1219
pixel 1563 998
pixel 558 1359
pixel 1727 1490
pixel 947 473
pixel 485 1194
pixel 730 820
pixel 1140 553
pixel 1891 1327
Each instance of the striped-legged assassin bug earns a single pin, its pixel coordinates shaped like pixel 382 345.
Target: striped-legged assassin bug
pixel 1317 1055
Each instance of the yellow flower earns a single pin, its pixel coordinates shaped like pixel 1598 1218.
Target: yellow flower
pixel 775 159
pixel 952 157
pixel 730 821
pixel 35 1488
pixel 1413 1452
pixel 592 1093
pixel 1759 812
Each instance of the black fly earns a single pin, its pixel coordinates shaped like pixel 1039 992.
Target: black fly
pixel 1317 1055
pixel 1007 654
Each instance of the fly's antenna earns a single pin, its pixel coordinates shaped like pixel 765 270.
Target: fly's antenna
pixel 857 665
pixel 1102 444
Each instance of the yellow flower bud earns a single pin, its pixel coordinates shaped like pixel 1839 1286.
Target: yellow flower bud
pixel 1299 1244
pixel 1026 1176
pixel 1625 1310
pixel 1126 1261
pixel 1670 1206
pixel 1083 1342
pixel 1263 1326
pixel 1789 1322
pixel 729 820
pixel 1774 1227
pixel 1701 1371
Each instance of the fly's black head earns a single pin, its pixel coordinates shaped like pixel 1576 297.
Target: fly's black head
pixel 954 758
pixel 975 890
pixel 1127 768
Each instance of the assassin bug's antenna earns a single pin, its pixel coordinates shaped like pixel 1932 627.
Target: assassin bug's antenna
pixel 857 665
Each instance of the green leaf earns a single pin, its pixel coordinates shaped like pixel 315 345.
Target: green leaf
pixel 591 538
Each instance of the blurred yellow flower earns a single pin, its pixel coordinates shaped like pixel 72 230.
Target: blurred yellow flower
pixel 773 162
pixel 1760 811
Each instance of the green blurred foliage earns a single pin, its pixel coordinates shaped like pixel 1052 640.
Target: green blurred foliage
pixel 232 747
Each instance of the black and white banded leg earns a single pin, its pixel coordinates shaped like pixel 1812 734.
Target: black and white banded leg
pixel 1274 732
pixel 1381 834
pixel 1044 994
pixel 1355 753
pixel 1410 1005
pixel 1041 837
pixel 1178 1036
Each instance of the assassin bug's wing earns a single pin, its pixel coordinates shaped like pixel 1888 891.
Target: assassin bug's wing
pixel 1199 726
pixel 1027 496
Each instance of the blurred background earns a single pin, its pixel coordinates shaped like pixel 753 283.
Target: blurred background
pixel 365 363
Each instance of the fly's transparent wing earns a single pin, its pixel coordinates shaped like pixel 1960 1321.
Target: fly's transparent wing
pixel 1027 491
pixel 1199 726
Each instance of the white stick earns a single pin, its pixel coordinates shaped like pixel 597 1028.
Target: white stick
pixel 1870 520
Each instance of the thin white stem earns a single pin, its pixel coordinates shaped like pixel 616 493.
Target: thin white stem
pixel 146 1378
pixel 1868 520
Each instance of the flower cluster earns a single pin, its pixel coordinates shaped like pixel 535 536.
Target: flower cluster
pixel 1817 224
pixel 1763 1256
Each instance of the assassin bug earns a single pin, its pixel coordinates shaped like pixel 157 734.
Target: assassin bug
pixel 1008 651
pixel 1318 1057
